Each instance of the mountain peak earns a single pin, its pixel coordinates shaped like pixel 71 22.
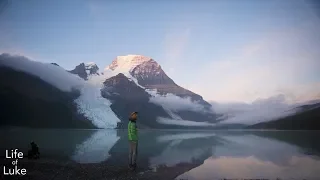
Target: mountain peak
pixel 90 64
pixel 127 63
pixel 91 68
pixel 84 70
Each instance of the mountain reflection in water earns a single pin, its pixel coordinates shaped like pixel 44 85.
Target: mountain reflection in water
pixel 254 168
pixel 206 154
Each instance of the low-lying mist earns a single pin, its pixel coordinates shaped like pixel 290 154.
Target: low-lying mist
pixel 175 103
pixel 50 73
pixel 258 111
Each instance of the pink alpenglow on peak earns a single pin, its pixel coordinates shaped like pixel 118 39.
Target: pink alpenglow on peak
pixel 127 63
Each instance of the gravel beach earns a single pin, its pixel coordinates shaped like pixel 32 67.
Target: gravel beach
pixel 48 169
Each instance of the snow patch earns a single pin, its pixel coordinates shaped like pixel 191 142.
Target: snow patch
pixel 127 74
pixel 90 64
pixel 98 80
pixel 127 63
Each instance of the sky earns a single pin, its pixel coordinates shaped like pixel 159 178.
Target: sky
pixel 226 51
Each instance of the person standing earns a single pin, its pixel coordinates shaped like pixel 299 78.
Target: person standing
pixel 133 140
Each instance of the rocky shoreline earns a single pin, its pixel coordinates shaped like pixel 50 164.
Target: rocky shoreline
pixel 49 169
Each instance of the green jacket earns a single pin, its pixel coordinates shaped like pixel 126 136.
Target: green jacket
pixel 132 131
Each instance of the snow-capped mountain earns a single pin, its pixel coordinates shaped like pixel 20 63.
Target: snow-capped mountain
pixel 150 75
pixel 138 83
pixel 141 81
pixel 84 70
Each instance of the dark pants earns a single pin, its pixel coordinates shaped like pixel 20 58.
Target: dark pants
pixel 133 152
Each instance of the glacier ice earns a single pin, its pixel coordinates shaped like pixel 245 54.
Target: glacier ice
pixel 95 107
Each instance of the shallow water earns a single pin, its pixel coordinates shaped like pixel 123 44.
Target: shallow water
pixel 212 154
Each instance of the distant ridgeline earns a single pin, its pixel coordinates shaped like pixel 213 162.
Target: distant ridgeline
pixel 308 118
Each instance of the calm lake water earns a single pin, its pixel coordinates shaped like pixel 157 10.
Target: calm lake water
pixel 213 154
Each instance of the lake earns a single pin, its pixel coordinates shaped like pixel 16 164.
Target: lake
pixel 209 154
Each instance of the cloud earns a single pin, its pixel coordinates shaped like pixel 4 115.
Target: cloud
pixel 172 104
pixel 258 111
pixel 175 103
pixel 52 74
pixel 279 60
pixel 18 52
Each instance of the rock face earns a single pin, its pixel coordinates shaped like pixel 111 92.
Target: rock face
pixel 84 70
pixel 28 101
pixel 127 97
pixel 80 70
pixel 55 64
pixel 92 68
pixel 150 75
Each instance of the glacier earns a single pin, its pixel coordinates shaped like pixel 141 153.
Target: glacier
pixel 96 108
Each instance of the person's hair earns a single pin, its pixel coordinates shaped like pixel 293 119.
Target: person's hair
pixel 134 113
